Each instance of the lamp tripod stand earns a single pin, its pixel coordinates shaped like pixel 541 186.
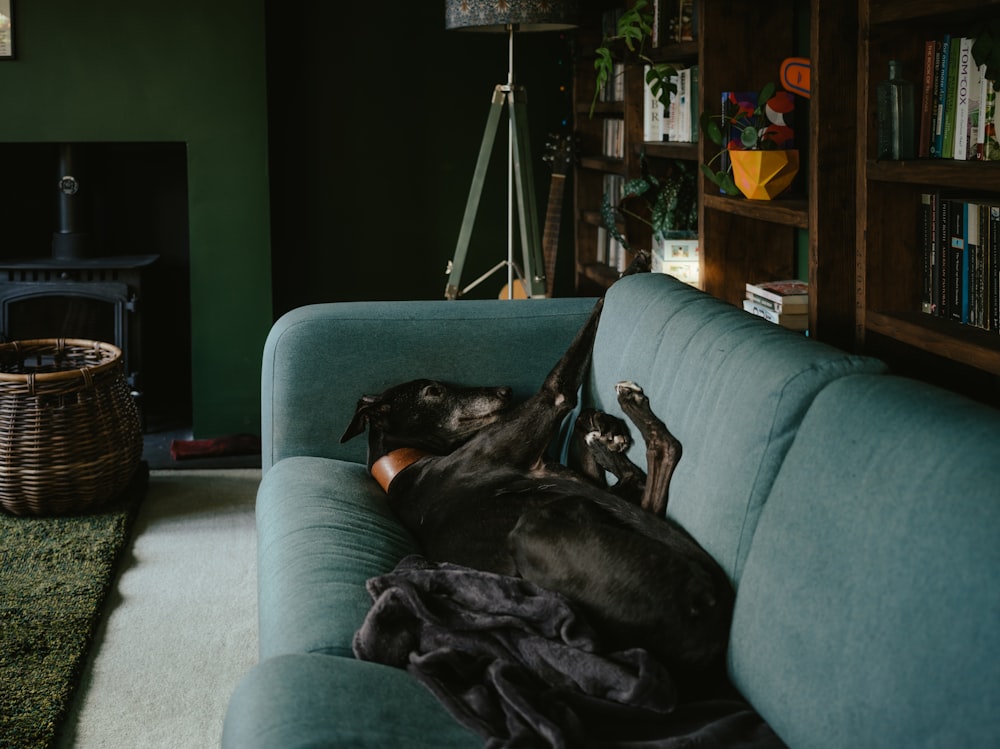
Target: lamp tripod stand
pixel 520 190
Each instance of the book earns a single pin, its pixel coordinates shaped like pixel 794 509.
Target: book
pixel 964 70
pixel 942 95
pixel 956 260
pixel 931 48
pixel 792 308
pixel 925 236
pixel 787 292
pixel 993 265
pixel 786 320
pixel 652 112
pixel 950 99
pixel 991 146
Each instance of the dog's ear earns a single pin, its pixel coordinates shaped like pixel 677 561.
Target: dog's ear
pixel 361 416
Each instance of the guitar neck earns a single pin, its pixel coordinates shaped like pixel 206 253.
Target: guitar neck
pixel 550 232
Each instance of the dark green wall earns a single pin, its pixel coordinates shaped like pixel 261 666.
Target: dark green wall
pixel 188 71
pixel 330 145
pixel 377 115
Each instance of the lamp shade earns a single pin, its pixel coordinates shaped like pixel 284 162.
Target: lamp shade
pixel 497 15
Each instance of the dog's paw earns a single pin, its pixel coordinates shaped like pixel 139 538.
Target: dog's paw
pixel 626 386
pixel 599 428
pixel 631 394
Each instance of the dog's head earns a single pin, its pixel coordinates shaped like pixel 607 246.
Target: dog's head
pixel 431 415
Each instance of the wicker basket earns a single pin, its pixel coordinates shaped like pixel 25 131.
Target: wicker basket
pixel 70 434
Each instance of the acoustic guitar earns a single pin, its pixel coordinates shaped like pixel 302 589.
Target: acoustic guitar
pixel 559 156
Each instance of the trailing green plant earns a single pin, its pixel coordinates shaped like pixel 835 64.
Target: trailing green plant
pixel 754 129
pixel 986 49
pixel 665 204
pixel 634 28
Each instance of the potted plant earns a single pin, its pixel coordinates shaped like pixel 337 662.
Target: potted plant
pixel 754 139
pixel 667 204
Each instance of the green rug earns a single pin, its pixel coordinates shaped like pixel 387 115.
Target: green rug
pixel 54 576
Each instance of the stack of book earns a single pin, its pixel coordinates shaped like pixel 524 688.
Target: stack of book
pixel 785 303
pixel 677 123
pixel 958 114
pixel 960 241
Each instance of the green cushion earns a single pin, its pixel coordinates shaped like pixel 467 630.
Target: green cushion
pixel 317 701
pixel 868 611
pixel 323 529
pixel 732 387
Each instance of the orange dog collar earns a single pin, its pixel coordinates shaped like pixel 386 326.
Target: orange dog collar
pixel 385 469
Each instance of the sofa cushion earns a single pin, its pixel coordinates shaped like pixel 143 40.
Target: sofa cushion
pixel 732 387
pixel 323 528
pixel 300 701
pixel 868 609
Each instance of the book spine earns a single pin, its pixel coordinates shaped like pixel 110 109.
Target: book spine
pixel 925 219
pixel 963 89
pixel 971 292
pixel 956 260
pixel 994 268
pixel 935 283
pixel 951 100
pixel 943 254
pixel 926 106
pixel 942 95
pixel 977 148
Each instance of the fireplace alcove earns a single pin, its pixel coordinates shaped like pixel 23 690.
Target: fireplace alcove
pixel 127 281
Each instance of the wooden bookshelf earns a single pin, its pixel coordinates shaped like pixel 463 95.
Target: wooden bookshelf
pixel 740 46
pixel 888 260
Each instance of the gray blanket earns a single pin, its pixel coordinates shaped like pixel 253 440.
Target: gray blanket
pixel 519 666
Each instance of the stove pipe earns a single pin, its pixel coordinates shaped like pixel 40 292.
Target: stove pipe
pixel 68 241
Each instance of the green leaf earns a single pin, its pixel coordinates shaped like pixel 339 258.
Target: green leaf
pixel 729 185
pixel 635 188
pixel 982 48
pixel 765 96
pixel 715 177
pixel 750 137
pixel 711 128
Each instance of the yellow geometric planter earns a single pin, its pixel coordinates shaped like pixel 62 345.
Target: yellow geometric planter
pixel 762 175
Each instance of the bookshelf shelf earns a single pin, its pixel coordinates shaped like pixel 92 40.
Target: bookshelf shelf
pixel 782 211
pixel 952 341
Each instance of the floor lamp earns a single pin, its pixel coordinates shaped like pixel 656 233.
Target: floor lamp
pixel 508 16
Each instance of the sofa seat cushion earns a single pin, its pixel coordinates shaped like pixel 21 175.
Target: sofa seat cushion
pixel 732 387
pixel 323 528
pixel 300 701
pixel 868 610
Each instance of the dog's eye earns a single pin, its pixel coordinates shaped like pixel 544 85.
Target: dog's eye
pixel 433 391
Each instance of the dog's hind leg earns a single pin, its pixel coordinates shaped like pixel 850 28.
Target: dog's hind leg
pixel 663 449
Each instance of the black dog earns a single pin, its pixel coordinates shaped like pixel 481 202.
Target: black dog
pixel 466 473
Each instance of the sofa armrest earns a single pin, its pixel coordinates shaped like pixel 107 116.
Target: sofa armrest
pixel 319 359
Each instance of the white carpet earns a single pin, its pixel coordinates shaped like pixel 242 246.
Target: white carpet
pixel 181 628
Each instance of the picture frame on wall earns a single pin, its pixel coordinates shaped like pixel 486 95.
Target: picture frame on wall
pixel 6 29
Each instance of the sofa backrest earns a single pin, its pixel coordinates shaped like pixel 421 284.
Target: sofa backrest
pixel 732 387
pixel 868 611
pixel 320 359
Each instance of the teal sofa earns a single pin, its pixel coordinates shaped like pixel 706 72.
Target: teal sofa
pixel 856 512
